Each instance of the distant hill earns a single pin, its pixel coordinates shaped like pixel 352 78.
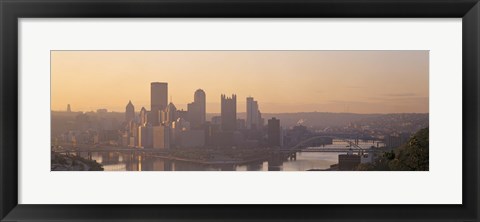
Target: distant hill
pixel 309 119
pixel 319 119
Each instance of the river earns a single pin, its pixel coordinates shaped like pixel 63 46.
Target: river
pixel 118 161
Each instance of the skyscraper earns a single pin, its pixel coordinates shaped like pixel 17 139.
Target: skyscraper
pixel 169 114
pixel 143 116
pixel 200 100
pixel 191 113
pixel 132 134
pixel 252 114
pixel 145 136
pixel 68 108
pixel 158 100
pixel 229 112
pixel 197 109
pixel 129 112
pixel 161 137
pixel 274 132
pixel 260 120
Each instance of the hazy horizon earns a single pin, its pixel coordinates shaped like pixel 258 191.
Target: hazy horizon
pixel 238 113
pixel 358 82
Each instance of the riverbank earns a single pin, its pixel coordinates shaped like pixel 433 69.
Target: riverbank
pixel 215 156
pixel 63 162
pixel 211 162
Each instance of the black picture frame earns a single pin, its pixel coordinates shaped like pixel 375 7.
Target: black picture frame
pixel 12 10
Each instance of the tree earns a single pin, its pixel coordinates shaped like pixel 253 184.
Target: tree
pixel 412 156
pixel 415 155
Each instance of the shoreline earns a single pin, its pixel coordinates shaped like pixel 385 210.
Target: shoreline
pixel 217 162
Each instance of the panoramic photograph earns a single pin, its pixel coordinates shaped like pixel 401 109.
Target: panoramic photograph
pixel 307 110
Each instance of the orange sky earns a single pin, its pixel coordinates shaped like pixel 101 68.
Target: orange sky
pixel 281 81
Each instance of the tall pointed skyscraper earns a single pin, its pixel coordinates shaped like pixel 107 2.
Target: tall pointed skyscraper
pixel 143 116
pixel 169 114
pixel 129 112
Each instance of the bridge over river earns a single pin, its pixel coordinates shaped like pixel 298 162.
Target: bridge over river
pixel 314 144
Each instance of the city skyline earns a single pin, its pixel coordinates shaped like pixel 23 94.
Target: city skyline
pixel 162 134
pixel 373 82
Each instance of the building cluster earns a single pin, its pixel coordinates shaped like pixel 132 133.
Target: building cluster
pixel 165 127
pixel 77 128
pixel 393 129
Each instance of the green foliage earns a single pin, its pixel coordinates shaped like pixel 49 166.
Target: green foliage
pixel 415 155
pixel 412 156
pixel 365 167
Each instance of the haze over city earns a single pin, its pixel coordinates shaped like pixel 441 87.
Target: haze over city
pixel 239 110
pixel 282 81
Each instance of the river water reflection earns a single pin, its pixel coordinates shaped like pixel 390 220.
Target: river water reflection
pixel 118 161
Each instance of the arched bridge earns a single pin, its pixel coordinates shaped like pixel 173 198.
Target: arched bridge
pixel 309 145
